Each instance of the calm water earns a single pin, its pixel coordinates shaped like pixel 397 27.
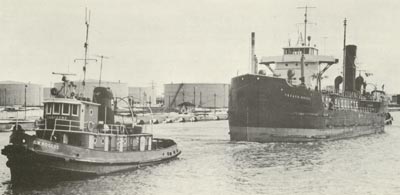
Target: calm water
pixel 211 164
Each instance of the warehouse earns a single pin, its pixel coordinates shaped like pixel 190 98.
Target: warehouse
pixel 13 93
pixel 205 95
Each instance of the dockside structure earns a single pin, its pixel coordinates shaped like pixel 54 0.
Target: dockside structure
pixel 204 95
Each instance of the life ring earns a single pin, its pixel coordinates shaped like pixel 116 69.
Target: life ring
pixel 90 126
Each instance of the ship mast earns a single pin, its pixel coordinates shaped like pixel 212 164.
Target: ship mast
pixel 305 22
pixel 302 79
pixel 344 55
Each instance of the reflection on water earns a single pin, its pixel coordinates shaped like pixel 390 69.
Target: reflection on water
pixel 211 164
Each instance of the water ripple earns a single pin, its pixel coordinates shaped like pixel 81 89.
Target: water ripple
pixel 211 164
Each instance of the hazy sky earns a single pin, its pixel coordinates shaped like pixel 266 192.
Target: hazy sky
pixel 188 40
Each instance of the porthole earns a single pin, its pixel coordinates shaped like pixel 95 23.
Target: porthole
pixel 91 112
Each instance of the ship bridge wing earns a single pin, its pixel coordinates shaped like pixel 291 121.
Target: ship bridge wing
pixel 297 58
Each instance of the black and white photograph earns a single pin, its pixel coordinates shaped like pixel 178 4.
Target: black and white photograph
pixel 199 97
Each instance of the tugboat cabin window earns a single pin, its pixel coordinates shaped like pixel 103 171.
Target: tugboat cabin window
pixel 56 109
pixel 48 108
pixel 65 109
pixel 74 110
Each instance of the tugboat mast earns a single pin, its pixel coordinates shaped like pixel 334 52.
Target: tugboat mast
pixel 86 45
pixel 87 21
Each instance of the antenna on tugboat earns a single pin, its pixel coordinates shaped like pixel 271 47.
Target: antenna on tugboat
pixel 101 65
pixel 305 22
pixel 87 21
pixel 86 45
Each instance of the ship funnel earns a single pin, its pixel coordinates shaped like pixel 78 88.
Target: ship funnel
pixel 350 68
pixel 253 60
pixel 104 97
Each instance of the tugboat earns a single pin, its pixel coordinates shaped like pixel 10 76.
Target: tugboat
pixel 78 137
pixel 290 107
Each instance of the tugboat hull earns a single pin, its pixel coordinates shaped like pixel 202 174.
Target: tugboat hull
pixel 30 163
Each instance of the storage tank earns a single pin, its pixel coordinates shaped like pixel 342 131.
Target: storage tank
pixel 205 95
pixel 118 89
pixel 13 93
pixel 143 95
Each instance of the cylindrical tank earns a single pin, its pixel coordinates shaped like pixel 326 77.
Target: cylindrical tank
pixel 206 95
pixel 119 89
pixel 13 93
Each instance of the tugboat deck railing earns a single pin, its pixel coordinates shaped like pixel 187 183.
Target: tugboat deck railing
pixel 68 126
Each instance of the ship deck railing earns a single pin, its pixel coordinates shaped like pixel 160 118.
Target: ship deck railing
pixel 347 94
pixel 114 129
pixel 65 125
pixel 361 109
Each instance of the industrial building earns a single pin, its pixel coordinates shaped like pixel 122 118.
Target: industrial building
pixel 205 95
pixel 14 93
pixel 143 96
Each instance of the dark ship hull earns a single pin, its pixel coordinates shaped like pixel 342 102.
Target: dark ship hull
pixel 268 109
pixel 39 161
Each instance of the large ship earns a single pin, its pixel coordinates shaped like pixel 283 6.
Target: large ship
pixel 291 106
